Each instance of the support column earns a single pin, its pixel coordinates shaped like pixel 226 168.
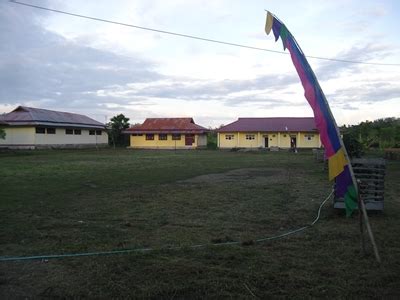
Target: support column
pixel 279 139
pixel 298 140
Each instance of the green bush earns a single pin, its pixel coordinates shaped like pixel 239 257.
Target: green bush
pixel 353 146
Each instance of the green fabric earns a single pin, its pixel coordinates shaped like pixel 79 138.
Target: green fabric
pixel 350 200
pixel 283 34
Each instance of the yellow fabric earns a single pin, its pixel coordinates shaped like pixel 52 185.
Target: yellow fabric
pixel 336 163
pixel 268 24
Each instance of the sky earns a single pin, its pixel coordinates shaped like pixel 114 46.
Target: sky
pixel 60 62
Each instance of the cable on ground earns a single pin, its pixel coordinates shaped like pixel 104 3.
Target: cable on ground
pixel 142 250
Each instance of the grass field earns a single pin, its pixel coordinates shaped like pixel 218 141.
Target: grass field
pixel 54 202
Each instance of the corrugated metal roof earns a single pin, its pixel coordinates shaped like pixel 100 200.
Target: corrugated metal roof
pixel 270 124
pixel 167 125
pixel 23 115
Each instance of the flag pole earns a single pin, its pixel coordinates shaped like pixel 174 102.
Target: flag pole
pixel 353 178
pixel 363 209
pixel 360 217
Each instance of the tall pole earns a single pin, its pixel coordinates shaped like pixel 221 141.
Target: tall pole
pixel 354 180
pixel 362 208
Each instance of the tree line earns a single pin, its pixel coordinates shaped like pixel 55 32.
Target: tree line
pixel 379 134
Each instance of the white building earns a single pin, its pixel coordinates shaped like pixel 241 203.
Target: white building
pixel 32 128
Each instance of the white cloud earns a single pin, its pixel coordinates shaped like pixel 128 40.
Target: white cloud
pixel 101 69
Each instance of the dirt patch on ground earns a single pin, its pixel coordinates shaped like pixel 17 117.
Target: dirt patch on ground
pixel 248 175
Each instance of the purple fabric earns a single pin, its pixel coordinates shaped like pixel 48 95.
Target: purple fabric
pixel 276 28
pixel 343 181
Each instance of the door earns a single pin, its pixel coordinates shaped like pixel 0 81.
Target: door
pixel 266 142
pixel 189 139
pixel 293 142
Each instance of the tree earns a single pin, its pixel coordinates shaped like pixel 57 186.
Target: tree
pixel 2 134
pixel 353 146
pixel 115 127
pixel 382 133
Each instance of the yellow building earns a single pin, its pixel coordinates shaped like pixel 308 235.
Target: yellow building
pixel 168 133
pixel 269 133
pixel 31 128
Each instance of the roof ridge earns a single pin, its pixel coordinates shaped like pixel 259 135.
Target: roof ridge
pixel 271 124
pixel 27 109
pixel 32 114
pixel 275 118
pixel 58 111
pixel 171 118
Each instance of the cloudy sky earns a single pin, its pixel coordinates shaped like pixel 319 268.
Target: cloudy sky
pixel 60 62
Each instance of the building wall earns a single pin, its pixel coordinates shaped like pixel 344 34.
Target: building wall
pixel 202 140
pixel 308 140
pixel 23 136
pixel 284 139
pixel 246 143
pixel 227 143
pixel 26 137
pixel 139 141
pixel 275 139
pixel 61 138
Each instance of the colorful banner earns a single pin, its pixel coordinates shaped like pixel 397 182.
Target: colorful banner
pixel 339 168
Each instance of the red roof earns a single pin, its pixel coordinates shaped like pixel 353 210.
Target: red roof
pixel 167 125
pixel 270 124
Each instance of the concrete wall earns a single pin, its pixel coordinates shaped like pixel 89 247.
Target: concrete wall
pixel 202 140
pixel 244 142
pixel 19 137
pixel 61 138
pixel 139 141
pixel 308 140
pixel 275 139
pixel 26 137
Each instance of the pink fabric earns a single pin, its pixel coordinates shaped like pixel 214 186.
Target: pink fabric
pixel 309 93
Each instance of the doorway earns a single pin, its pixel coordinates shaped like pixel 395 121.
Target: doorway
pixel 189 139
pixel 293 142
pixel 266 142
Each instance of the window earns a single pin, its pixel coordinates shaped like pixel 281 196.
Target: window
pixel 250 137
pixel 40 130
pixel 137 134
pixel 91 132
pixel 149 137
pixel 77 131
pixel 273 135
pixel 162 137
pixel 98 132
pixel 69 131
pixel 229 137
pixel 51 130
pixel 176 136
pixel 309 137
pixel 284 135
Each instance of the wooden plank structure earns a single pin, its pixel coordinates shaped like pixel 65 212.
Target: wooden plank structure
pixel 370 174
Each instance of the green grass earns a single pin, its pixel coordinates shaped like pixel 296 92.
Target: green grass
pixel 54 202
